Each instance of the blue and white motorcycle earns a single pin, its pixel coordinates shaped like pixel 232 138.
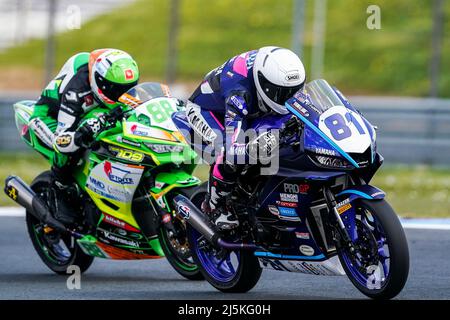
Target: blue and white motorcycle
pixel 316 215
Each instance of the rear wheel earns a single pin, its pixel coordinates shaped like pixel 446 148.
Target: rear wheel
pixel 379 268
pixel 57 251
pixel 226 270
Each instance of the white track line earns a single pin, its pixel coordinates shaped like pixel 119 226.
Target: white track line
pixel 12 212
pixel 427 224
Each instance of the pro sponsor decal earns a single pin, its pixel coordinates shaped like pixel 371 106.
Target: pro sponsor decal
pixel 306 250
pixel 296 188
pixel 288 197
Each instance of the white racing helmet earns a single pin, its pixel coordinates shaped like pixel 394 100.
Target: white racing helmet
pixel 278 74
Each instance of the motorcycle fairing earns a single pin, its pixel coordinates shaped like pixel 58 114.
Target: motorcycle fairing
pixel 111 185
pixel 330 267
pixel 276 200
pixel 331 124
pixel 166 181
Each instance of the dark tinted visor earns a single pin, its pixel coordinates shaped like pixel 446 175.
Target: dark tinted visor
pixel 110 89
pixel 276 93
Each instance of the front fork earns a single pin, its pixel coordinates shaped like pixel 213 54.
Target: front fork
pixel 342 230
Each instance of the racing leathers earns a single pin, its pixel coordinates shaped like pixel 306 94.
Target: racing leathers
pixel 56 120
pixel 224 103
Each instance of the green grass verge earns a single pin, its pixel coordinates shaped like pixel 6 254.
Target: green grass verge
pixel 412 191
pixel 25 165
pixel 393 60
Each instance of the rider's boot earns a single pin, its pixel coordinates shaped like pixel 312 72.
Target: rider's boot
pixel 65 196
pixel 215 202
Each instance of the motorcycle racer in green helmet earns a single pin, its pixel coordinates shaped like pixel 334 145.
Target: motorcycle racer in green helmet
pixel 86 81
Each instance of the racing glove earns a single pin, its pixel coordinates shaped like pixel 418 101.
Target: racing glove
pixel 86 133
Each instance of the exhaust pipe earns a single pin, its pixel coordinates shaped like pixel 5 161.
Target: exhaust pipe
pixel 20 192
pixel 196 219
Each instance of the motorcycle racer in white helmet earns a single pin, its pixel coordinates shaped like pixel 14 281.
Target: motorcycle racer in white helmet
pixel 246 86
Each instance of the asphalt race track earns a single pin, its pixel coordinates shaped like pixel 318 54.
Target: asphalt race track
pixel 24 276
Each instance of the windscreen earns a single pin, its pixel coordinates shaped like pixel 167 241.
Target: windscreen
pixel 322 95
pixel 144 92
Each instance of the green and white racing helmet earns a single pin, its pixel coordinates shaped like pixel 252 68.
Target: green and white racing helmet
pixel 112 72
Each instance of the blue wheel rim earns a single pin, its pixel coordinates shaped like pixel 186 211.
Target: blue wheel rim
pixel 378 278
pixel 223 269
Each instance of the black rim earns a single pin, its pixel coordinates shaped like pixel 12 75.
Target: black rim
pixel 179 246
pixel 58 249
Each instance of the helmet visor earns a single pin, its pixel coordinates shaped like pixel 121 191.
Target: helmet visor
pixel 112 90
pixel 277 94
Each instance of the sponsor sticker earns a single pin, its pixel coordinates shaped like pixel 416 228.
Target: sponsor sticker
pixel 114 238
pixel 89 100
pixel 159 184
pixel 288 197
pixel 325 151
pixel 12 192
pixel 184 210
pixel 63 140
pixel 292 76
pixel 287 212
pixel 379 193
pixel 129 74
pixel 166 218
pixel 296 188
pixel 118 223
pixel 287 204
pixel 344 208
pixel 306 250
pixel 302 235
pixel 273 210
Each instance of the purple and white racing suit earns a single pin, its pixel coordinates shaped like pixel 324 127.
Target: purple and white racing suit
pixel 223 103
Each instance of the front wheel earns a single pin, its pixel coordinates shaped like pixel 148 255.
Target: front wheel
pixel 379 266
pixel 175 244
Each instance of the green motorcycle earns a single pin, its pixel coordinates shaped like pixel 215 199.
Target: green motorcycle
pixel 126 182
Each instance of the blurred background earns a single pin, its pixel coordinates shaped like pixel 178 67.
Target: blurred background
pixel 391 58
